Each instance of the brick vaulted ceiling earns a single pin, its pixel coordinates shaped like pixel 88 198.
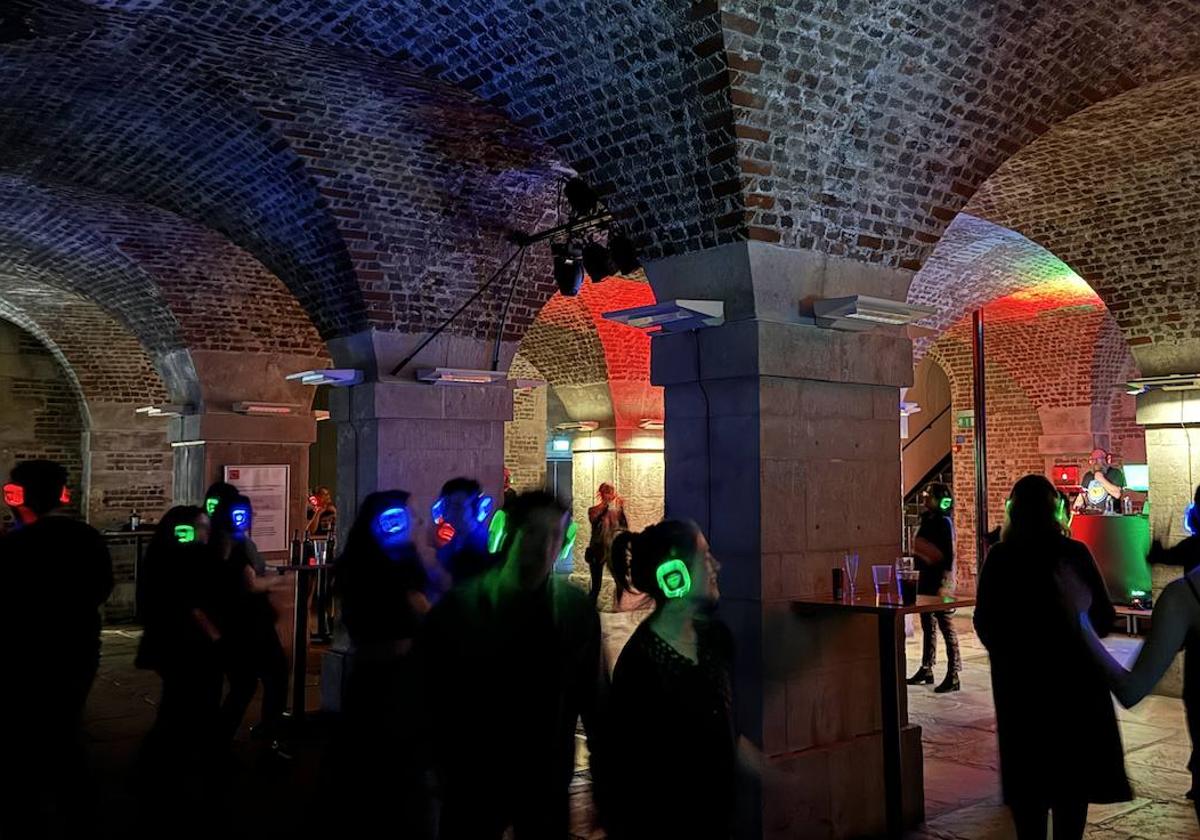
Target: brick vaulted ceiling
pixel 370 154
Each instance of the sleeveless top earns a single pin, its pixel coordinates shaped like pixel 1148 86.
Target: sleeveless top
pixel 1191 693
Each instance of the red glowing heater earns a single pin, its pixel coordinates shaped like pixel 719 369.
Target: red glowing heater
pixel 1066 475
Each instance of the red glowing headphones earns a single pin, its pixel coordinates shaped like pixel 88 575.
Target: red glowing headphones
pixel 14 495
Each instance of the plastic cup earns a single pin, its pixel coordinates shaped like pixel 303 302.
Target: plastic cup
pixel 908 586
pixel 850 568
pixel 884 578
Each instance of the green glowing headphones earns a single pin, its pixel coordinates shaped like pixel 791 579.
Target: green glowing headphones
pixel 946 503
pixel 498 533
pixel 185 533
pixel 673 577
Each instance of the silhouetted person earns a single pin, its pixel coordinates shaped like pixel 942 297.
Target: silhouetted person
pixel 322 513
pixel 1175 626
pixel 250 649
pixel 934 552
pixel 512 660
pixel 607 519
pixel 1060 748
pixel 223 492
pixel 59 572
pixel 180 642
pixel 377 764
pixel 671 748
pixel 460 530
pixel 510 492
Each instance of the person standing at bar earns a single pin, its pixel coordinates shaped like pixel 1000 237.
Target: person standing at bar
pixel 1060 748
pixel 934 551
pixel 1102 484
pixel 58 572
pixel 607 519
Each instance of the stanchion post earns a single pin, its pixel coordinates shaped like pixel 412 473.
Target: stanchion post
pixel 299 644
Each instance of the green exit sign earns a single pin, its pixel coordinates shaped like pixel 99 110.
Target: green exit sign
pixel 965 419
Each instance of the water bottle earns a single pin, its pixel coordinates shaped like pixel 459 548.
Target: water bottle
pixel 1127 505
pixel 135 521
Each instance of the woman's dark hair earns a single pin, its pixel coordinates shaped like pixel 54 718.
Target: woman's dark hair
pixel 1035 511
pixel 635 557
pixel 163 550
pixel 43 482
pixel 938 491
pixel 222 491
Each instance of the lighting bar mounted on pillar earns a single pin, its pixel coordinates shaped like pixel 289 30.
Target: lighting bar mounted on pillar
pixel 263 409
pixel 671 316
pixel 860 312
pixel 173 410
pixel 577 426
pixel 1173 382
pixel 461 376
pixel 337 377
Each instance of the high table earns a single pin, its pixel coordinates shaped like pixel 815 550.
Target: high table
pixel 300 634
pixel 889 613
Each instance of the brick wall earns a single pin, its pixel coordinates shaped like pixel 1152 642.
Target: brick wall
pixel 39 410
pixel 525 435
pixel 1040 357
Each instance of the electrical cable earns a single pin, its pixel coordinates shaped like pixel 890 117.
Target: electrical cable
pixel 512 290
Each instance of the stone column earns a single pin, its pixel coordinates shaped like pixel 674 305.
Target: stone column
pixel 204 444
pixel 782 442
pixel 127 465
pixel 414 436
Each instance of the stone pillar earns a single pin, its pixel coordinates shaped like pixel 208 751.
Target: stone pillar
pixel 127 465
pixel 204 444
pixel 782 442
pixel 414 436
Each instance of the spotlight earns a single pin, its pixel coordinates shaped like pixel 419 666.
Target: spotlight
pixel 624 255
pixel 568 268
pixel 596 262
pixel 580 196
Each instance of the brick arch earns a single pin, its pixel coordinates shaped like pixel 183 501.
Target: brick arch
pixel 1114 191
pixel 634 96
pixel 596 365
pixel 84 116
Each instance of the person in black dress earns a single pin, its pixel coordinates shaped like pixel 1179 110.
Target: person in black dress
pixel 376 762
pixel 511 663
pixel 934 550
pixel 60 573
pixel 671 749
pixel 607 519
pixel 1060 747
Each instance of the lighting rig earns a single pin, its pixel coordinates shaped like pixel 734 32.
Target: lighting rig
pixel 576 247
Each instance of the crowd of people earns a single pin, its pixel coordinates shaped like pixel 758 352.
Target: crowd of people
pixel 472 668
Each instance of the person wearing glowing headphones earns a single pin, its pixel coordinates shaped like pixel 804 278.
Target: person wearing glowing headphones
pixel 933 548
pixel 1060 747
pixel 1175 626
pixel 672 687
pixel 460 532
pixel 516 651
pixel 58 572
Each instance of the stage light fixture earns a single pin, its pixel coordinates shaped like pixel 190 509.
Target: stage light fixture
pixel 596 262
pixel 568 267
pixel 623 254
pixel 580 196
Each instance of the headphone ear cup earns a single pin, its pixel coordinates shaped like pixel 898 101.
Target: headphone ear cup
pixel 483 508
pixel 568 542
pixel 497 531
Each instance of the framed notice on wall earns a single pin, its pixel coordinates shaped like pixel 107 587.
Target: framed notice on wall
pixel 266 485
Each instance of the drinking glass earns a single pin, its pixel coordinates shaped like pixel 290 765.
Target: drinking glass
pixel 884 578
pixel 319 551
pixel 850 567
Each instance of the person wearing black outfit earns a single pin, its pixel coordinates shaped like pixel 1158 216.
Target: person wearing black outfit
pixel 1175 626
pixel 672 693
pixel 526 645
pixel 460 529
pixel 1060 747
pixel 607 519
pixel 376 763
pixel 251 650
pixel 934 550
pixel 59 572
pixel 222 492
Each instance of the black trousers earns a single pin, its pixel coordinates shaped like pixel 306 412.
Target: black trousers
pixel 254 656
pixel 929 649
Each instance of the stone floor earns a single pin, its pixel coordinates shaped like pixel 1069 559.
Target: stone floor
pixel 961 781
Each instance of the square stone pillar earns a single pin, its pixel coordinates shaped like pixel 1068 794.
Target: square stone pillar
pixel 782 441
pixel 414 436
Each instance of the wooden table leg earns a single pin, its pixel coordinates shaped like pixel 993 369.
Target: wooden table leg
pixel 889 693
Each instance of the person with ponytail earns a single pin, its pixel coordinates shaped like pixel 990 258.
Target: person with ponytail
pixel 1174 626
pixel 1060 748
pixel 672 750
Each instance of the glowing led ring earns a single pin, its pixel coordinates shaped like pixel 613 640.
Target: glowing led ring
pixel 239 515
pixel 673 578
pixel 394 520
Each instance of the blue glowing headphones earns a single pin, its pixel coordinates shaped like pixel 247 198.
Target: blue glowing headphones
pixel 393 521
pixel 498 533
pixel 1191 520
pixel 239 515
pixel 482 503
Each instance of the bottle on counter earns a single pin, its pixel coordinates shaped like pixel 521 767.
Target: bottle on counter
pixel 135 521
pixel 1127 505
